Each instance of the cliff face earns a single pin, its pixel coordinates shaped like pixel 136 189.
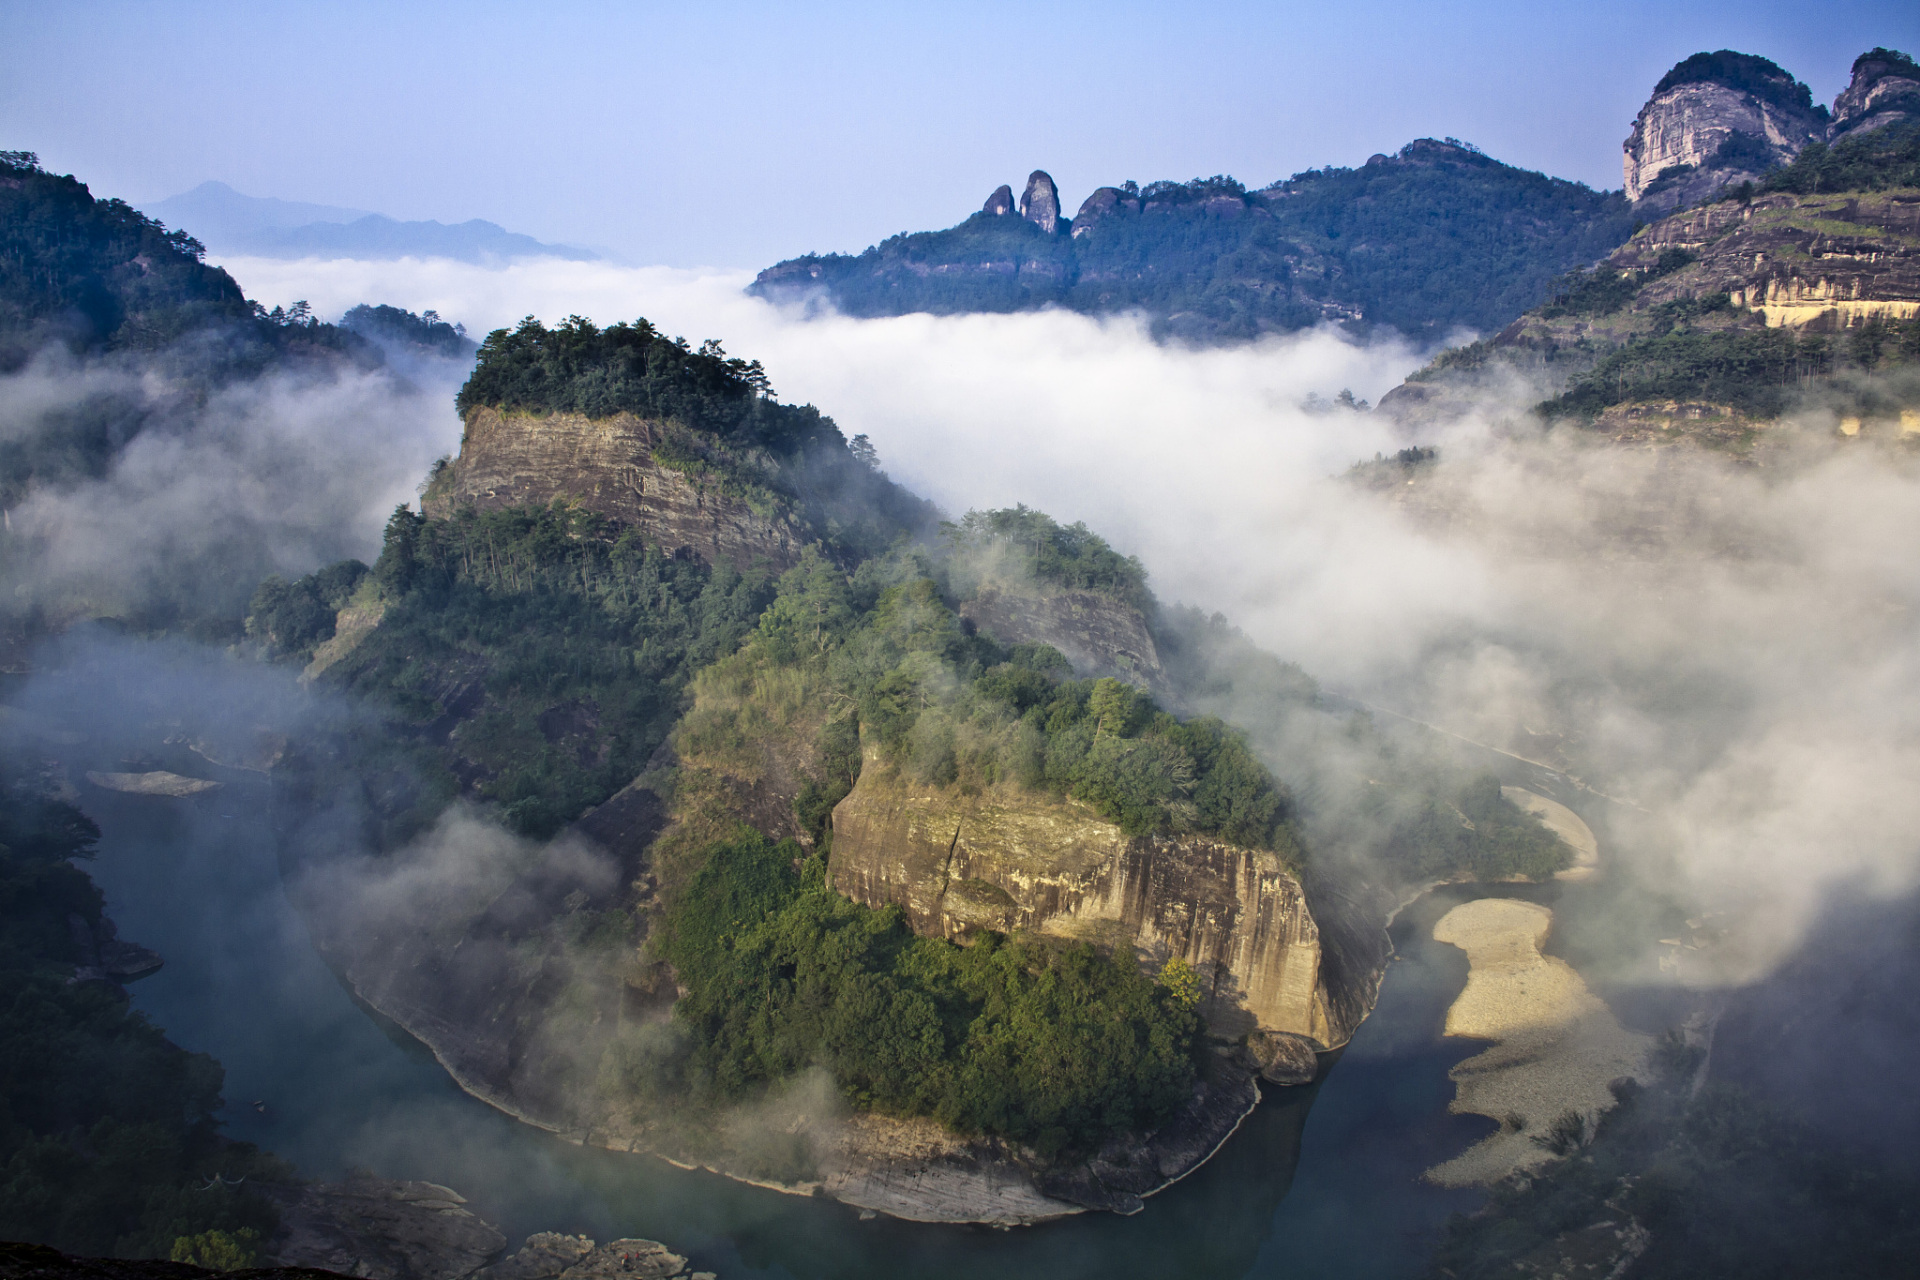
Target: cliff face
pixel 614 466
pixel 1816 263
pixel 1803 261
pixel 956 863
pixel 1098 634
pixel 1716 119
pixel 1885 90
pixel 1040 203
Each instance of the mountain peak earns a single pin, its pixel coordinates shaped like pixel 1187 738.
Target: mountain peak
pixel 1040 203
pixel 1716 119
pixel 1885 89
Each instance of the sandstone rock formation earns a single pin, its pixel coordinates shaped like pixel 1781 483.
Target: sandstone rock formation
pixel 1018 861
pixel 1823 263
pixel 1101 636
pixel 1885 90
pixel 1102 203
pixel 549 1255
pixel 618 467
pixel 382 1229
pixel 1040 203
pixel 1716 119
pixel 1000 202
pixel 1802 260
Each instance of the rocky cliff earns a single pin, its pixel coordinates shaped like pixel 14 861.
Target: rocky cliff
pixel 1715 120
pixel 1012 860
pixel 1805 263
pixel 1885 90
pixel 1040 202
pixel 670 487
pixel 1101 636
pixel 1800 261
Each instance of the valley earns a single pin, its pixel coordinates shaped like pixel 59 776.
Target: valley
pixel 654 837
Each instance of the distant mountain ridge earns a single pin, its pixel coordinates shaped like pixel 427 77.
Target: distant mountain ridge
pixel 1209 260
pixel 227 221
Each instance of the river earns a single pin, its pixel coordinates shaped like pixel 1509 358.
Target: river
pixel 1320 1181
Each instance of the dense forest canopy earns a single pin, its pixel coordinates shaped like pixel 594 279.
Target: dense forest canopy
pixel 1024 543
pixel 1054 1047
pixel 1436 237
pixel 578 367
pixel 97 282
pixel 562 641
pixel 99 275
pixel 397 327
pixel 1764 79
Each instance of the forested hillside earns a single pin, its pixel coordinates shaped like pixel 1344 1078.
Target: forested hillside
pixel 97 279
pixel 1433 238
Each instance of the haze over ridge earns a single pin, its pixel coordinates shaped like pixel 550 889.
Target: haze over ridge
pixel 867 135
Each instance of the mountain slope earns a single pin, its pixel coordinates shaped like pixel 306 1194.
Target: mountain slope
pixel 1803 291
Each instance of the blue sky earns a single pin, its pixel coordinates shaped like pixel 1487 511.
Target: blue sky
pixel 731 135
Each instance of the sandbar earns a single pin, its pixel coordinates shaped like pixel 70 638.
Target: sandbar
pixel 1556 1045
pixel 155 783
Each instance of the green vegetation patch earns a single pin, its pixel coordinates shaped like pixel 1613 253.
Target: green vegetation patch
pixel 1758 371
pixel 1040 548
pixel 560 643
pixel 728 430
pixel 1606 289
pixel 1055 1047
pixel 1478 833
pixel 1879 161
pixel 1759 76
pixel 577 367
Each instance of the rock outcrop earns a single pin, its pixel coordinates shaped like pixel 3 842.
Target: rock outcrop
pixel 1040 202
pixel 1716 119
pixel 1101 636
pixel 1826 262
pixel 1006 861
pixel 382 1229
pixel 647 475
pixel 1104 202
pixel 1885 90
pixel 1000 203
pixel 101 956
pixel 550 1255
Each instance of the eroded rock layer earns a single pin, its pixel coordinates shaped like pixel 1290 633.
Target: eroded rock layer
pixel 955 863
pixel 612 466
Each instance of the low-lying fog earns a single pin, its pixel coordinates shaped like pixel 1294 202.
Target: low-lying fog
pixel 1730 648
